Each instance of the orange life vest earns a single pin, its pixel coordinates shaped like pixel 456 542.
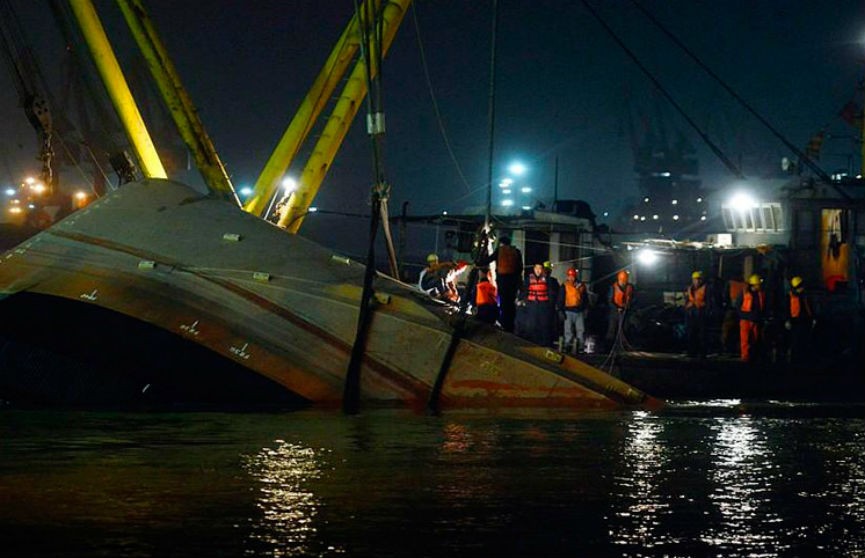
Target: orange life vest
pixel 748 301
pixel 508 261
pixel 486 294
pixel 796 305
pixel 574 295
pixel 622 296
pixel 539 290
pixel 696 297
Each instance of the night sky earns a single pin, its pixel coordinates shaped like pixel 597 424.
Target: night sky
pixel 563 89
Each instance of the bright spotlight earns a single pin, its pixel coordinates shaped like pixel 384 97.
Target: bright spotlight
pixel 289 185
pixel 10 191
pixel 314 209
pixel 526 190
pixel 507 203
pixel 647 257
pixel 245 191
pixel 517 169
pixel 742 201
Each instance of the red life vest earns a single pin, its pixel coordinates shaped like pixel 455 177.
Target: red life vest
pixel 622 296
pixel 696 297
pixel 539 291
pixel 486 294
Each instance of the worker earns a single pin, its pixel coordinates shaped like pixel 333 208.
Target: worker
pixel 573 300
pixel 730 320
pixel 434 280
pixel 621 298
pixel 509 272
pixel 553 286
pixel 485 298
pixel 539 307
pixel 800 322
pixel 696 315
pixel 751 305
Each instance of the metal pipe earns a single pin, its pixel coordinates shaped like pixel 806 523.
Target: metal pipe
pixel 118 89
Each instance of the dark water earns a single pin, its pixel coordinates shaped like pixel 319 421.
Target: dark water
pixel 710 480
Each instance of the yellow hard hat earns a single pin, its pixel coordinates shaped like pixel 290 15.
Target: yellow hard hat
pixel 754 279
pixel 795 282
pixel 432 258
pixel 548 264
pixel 697 275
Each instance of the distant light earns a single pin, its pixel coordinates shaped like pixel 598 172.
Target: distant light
pixel 699 200
pixel 444 212
pixel 636 217
pixel 606 213
pixel 289 185
pixel 38 188
pixel 646 200
pixel 702 217
pixel 527 207
pixel 675 217
pixel 675 202
pixel 506 182
pixel 506 192
pixel 665 174
pixel 517 168
pixel 10 191
pixel 742 202
pixel 642 218
pixel 526 189
pixel 15 209
pixel 245 191
pixel 312 209
pixel 647 257
pixel 29 180
pixel 655 217
pixel 31 206
pixel 507 203
pixel 79 195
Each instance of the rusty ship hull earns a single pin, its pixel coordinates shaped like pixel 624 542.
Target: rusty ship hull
pixel 157 292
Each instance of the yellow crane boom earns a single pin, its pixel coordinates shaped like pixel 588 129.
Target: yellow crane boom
pixel 177 100
pixel 310 109
pixel 339 122
pixel 118 90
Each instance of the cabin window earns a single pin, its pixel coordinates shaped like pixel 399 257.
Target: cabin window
pixel 762 218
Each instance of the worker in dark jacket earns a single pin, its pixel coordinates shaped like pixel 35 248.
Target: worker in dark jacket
pixel 752 312
pixel 697 314
pixel 509 273
pixel 539 307
pixel 573 301
pixel 800 322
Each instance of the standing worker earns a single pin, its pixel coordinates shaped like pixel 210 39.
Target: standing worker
pixel 539 307
pixel 696 315
pixel 573 300
pixel 800 322
pixel 553 286
pixel 485 298
pixel 509 271
pixel 752 310
pixel 621 299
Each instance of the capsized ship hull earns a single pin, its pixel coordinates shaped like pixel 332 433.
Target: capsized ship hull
pixel 168 271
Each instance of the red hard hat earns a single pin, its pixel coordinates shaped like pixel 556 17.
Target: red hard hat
pixel 572 272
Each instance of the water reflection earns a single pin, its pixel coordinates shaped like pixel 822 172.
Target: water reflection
pixel 743 472
pixel 289 508
pixel 644 457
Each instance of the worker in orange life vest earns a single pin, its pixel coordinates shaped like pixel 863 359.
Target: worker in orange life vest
pixel 800 322
pixel 573 301
pixel 539 307
pixel 620 302
pixel 696 315
pixel 485 298
pixel 752 311
pixel 509 275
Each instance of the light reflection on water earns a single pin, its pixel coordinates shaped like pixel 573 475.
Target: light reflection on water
pixel 688 482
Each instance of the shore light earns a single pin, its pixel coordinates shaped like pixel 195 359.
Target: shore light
pixel 517 169
pixel 526 190
pixel 10 191
pixel 647 257
pixel 507 203
pixel 742 202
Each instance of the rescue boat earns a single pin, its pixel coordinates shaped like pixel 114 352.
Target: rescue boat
pixel 157 293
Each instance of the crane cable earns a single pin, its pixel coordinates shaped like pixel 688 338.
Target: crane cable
pixel 737 172
pixel 801 155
